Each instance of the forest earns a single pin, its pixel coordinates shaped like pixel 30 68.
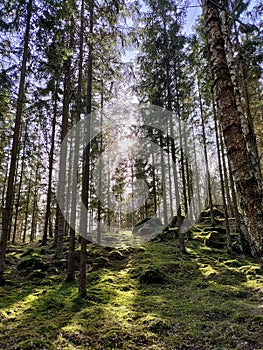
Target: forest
pixel 131 162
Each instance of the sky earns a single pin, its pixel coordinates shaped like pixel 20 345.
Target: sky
pixel 192 14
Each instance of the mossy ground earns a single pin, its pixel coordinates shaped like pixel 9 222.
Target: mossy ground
pixel 207 299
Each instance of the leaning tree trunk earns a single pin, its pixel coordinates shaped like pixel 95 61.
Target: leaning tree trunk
pixel 247 178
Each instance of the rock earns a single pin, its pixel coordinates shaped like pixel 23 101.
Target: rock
pixel 139 224
pixel 33 263
pixel 60 263
pixel 153 276
pixel 152 223
pixel 101 261
pixel 144 231
pixel 173 224
pixel 116 255
pixel 38 274
pixel 28 252
pixel 216 240
pixel 205 217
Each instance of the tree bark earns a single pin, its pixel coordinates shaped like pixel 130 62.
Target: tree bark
pixel 247 178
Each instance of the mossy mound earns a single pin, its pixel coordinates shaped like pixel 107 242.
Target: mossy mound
pixel 205 216
pixel 102 261
pixel 33 262
pixel 216 240
pixel 156 298
pixel 153 276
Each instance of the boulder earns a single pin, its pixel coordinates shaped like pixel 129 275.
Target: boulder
pixel 153 276
pixel 216 240
pixel 151 223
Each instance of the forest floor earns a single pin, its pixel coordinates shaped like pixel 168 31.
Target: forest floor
pixel 148 297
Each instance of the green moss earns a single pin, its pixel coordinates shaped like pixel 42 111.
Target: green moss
pixel 37 344
pixel 209 300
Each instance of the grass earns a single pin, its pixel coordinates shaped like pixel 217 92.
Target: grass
pixel 207 299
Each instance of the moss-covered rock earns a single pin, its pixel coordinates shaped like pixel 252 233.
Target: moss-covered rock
pixel 34 262
pixel 60 263
pixel 28 252
pixel 216 240
pixel 151 223
pixel 102 261
pixel 153 276
pixel 116 255
pixel 38 274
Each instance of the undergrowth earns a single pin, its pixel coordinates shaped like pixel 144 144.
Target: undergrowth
pixel 149 297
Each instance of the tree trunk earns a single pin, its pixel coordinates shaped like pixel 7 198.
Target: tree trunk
pixel 64 128
pixel 248 180
pixel 72 235
pixel 27 209
pixel 163 181
pixel 7 211
pixel 19 194
pixel 50 170
pixel 206 158
pixel 228 237
pixel 86 163
pixel 35 206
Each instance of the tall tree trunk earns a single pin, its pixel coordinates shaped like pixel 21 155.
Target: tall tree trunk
pixel 19 194
pixel 35 207
pixel 182 160
pixel 176 188
pixel 27 209
pixel 246 117
pixel 7 211
pixel 175 176
pixel 163 181
pixel 72 234
pixel 100 164
pixel 86 162
pixel 170 179
pixel 228 237
pixel 206 158
pixel 247 178
pixel 64 128
pixel 240 227
pixel 50 169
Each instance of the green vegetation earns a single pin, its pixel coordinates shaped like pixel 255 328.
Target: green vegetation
pixel 149 297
